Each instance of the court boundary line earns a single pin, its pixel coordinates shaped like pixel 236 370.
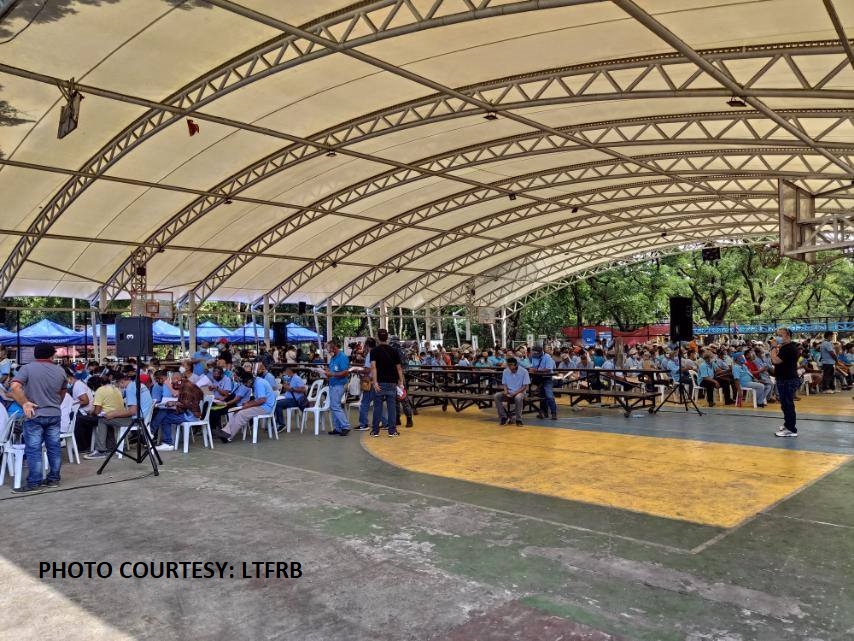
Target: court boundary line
pixel 704 545
pixel 568 526
pixel 767 511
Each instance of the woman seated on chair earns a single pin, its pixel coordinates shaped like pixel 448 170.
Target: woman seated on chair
pixel 188 407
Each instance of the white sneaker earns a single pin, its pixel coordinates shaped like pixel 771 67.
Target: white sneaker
pixel 828 391
pixel 165 447
pixel 785 433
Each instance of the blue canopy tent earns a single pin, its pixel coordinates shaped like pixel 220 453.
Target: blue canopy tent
pixel 300 334
pixel 211 332
pixel 296 334
pixel 248 334
pixel 163 333
pixel 7 337
pixel 46 331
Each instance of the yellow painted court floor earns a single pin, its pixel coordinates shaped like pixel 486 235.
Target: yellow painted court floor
pixel 840 404
pixel 708 483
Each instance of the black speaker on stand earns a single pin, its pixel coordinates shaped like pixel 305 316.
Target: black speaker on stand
pixel 681 319
pixel 681 329
pixel 135 338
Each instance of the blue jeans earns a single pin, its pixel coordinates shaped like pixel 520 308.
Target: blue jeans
pixel 547 392
pixel 388 396
pixel 282 404
pixel 364 406
pixel 165 419
pixel 786 395
pixel 38 430
pixel 339 416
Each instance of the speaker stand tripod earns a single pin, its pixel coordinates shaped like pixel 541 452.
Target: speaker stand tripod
pixel 685 397
pixel 144 445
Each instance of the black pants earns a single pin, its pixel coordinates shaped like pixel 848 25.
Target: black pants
pixel 83 429
pixel 786 391
pixel 711 389
pixel 827 375
pixel 726 386
pixel 216 418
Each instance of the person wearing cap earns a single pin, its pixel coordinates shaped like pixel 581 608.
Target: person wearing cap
pixel 39 388
pixel 744 379
pixel 515 382
pixel 544 364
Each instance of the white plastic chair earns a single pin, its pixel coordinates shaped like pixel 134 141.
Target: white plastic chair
pixel 68 420
pixel 12 458
pixel 695 390
pixel 313 391
pixel 357 404
pixel 317 411
pixel 272 427
pixel 749 391
pixel 205 423
pixel 290 412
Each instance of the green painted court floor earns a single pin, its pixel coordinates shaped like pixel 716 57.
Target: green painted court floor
pixel 389 553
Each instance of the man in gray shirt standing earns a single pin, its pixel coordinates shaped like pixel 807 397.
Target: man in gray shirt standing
pixel 38 388
pixel 827 360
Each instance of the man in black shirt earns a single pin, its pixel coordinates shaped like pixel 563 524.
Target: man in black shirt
pixel 386 376
pixel 784 356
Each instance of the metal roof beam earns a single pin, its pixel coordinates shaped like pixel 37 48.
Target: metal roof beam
pixel 724 79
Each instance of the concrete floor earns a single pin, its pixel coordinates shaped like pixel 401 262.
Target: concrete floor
pixel 392 554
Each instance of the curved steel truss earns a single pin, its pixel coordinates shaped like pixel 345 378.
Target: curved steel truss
pixel 613 80
pixel 711 174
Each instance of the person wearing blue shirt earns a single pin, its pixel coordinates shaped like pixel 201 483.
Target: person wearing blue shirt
pixel 827 359
pixel 221 385
pixel 744 379
pixel 338 374
pixel 5 367
pixel 200 359
pixel 515 382
pixel 263 402
pixel 706 374
pixel 495 360
pixel 239 395
pixel 146 403
pixel 543 364
pixel 266 375
pixel 293 392
pixel 159 389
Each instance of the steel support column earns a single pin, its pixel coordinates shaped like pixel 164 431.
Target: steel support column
pixel 266 313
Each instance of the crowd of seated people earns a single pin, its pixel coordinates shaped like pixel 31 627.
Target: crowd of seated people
pixel 105 395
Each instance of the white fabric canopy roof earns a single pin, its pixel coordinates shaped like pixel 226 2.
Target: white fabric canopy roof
pixel 344 150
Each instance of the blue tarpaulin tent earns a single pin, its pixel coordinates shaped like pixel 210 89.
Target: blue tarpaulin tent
pixel 165 334
pixel 299 334
pixel 210 331
pixel 248 333
pixel 296 334
pixel 6 337
pixel 46 331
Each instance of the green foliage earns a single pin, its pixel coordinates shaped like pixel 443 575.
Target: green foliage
pixel 743 285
